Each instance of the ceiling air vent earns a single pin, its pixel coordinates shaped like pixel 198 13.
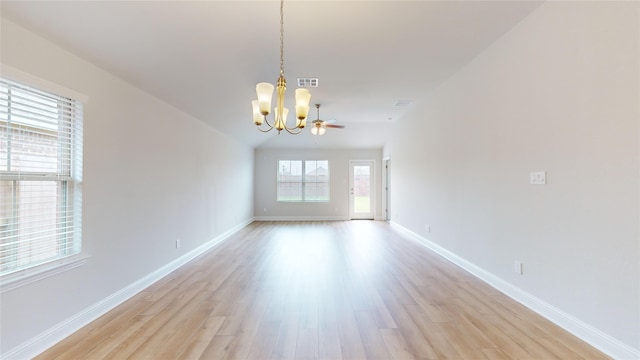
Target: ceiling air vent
pixel 308 82
pixel 403 103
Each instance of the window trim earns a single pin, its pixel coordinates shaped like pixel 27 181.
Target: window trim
pixel 13 74
pixel 42 271
pixel 303 182
pixel 31 274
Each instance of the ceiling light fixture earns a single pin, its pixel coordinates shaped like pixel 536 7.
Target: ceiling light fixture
pixel 319 127
pixel 262 106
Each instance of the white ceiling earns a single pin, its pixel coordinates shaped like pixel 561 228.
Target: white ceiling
pixel 205 57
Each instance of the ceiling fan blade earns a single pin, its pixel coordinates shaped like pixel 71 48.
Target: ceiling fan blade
pixel 334 126
pixel 330 121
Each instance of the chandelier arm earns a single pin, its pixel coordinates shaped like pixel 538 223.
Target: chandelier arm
pixel 266 120
pixel 264 131
pixel 290 130
pixel 293 128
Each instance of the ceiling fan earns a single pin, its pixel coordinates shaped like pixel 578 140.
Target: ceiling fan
pixel 319 127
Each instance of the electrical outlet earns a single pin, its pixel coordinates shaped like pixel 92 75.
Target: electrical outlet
pixel 177 243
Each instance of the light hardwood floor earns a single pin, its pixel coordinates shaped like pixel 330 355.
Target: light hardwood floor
pixel 320 290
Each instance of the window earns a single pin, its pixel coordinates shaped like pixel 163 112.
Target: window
pixel 303 180
pixel 40 177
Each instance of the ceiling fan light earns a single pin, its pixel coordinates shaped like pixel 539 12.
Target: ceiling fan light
pixel 314 130
pixel 265 93
pixel 258 118
pixel 321 131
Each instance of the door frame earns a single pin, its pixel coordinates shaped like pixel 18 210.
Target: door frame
pixel 386 188
pixel 372 187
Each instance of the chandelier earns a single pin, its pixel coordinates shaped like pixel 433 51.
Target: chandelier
pixel 262 106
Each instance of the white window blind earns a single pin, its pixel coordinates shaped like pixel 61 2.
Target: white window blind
pixel 303 180
pixel 40 177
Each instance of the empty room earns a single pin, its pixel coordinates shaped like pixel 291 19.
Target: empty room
pixel 319 179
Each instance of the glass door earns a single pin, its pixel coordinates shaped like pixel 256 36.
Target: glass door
pixel 361 185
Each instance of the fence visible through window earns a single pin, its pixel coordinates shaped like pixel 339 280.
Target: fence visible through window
pixel 303 180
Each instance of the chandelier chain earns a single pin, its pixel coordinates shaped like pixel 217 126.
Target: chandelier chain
pixel 281 37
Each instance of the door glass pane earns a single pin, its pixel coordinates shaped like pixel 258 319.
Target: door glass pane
pixel 361 189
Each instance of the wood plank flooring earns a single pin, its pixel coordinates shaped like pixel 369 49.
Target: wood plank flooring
pixel 320 290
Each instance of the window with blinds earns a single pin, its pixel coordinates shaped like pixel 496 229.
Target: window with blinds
pixel 303 180
pixel 40 177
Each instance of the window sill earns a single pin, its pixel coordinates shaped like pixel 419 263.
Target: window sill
pixel 27 276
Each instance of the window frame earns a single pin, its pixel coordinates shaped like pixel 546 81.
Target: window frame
pixel 303 182
pixel 68 178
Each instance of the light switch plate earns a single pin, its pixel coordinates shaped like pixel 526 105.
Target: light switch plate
pixel 517 267
pixel 538 178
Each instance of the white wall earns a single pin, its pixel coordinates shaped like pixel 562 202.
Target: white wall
pixel 336 209
pixel 152 174
pixel 558 93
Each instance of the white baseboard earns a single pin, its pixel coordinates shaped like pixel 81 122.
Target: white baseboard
pixel 52 336
pixel 300 218
pixel 577 327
